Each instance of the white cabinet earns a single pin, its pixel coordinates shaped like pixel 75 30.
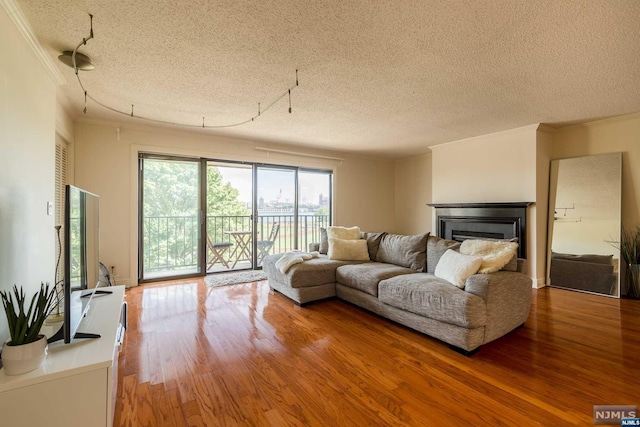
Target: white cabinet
pixel 76 384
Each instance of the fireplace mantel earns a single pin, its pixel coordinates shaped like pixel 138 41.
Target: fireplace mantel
pixel 504 220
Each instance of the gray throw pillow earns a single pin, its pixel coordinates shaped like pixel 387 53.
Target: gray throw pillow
pixel 324 241
pixel 373 243
pixel 436 247
pixel 405 251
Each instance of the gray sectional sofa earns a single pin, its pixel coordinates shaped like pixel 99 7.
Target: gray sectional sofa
pixel 398 283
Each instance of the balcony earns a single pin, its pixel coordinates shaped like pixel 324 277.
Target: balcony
pixel 171 242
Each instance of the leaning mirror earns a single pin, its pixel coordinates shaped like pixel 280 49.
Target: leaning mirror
pixel 584 224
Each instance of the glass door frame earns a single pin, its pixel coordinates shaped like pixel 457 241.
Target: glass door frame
pixel 205 213
pixel 201 226
pixel 202 206
pixel 256 215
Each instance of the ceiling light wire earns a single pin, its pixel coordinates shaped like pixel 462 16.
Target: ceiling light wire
pixel 115 110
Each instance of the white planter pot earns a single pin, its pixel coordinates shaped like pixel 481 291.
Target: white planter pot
pixel 19 359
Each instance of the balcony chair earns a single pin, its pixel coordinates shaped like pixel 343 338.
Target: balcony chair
pixel 218 250
pixel 264 246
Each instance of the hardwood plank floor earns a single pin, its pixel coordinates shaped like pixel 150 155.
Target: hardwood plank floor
pixel 243 355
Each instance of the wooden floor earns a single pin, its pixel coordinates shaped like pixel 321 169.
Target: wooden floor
pixel 245 355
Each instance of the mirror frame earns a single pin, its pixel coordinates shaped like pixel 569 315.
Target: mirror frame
pixel 553 177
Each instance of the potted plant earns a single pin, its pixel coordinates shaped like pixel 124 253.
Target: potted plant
pixel 26 348
pixel 629 247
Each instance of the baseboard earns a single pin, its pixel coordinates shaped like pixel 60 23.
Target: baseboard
pixel 538 283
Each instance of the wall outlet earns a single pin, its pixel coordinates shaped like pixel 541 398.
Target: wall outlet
pixel 49 208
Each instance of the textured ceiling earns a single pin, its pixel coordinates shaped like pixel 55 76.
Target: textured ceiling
pixel 376 78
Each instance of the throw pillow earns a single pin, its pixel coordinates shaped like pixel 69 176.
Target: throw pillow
pixel 456 268
pixel 373 243
pixel 324 241
pixel 494 254
pixel 348 250
pixel 436 247
pixel 406 251
pixel 344 233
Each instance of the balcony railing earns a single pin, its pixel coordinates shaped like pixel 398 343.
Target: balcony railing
pixel 171 242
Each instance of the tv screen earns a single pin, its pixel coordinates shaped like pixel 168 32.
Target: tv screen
pixel 81 259
pixel 82 239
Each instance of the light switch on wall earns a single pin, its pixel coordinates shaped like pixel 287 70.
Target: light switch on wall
pixel 49 208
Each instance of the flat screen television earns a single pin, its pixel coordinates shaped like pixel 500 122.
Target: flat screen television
pixel 81 260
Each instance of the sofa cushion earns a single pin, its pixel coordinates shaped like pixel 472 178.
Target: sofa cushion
pixel 495 254
pixel 436 247
pixel 373 243
pixel 455 267
pixel 406 251
pixel 348 250
pixel 365 277
pixel 324 241
pixel 316 271
pixel 432 297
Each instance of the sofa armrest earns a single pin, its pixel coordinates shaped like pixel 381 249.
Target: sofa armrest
pixel 314 247
pixel 507 296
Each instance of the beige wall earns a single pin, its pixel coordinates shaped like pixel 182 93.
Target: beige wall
pixel 27 149
pixel 620 134
pixel 514 166
pixel 375 194
pixel 544 143
pixel 499 167
pixel 363 188
pixel 412 193
pixel 509 166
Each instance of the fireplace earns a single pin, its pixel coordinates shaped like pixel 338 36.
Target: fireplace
pixel 462 221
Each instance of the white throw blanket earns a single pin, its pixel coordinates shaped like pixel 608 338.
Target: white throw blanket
pixel 494 254
pixel 292 258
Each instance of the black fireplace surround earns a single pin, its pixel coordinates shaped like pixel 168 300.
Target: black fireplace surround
pixel 462 221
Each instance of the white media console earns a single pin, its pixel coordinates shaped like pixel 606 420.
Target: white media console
pixel 77 383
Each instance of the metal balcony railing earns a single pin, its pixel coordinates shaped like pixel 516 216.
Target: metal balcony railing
pixel 171 242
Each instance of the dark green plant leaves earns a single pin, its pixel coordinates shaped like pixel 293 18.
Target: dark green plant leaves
pixel 24 327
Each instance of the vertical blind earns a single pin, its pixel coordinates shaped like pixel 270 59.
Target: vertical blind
pixel 60 181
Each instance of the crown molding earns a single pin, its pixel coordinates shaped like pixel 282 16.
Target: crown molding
pixel 17 17
pixel 528 128
pixel 599 122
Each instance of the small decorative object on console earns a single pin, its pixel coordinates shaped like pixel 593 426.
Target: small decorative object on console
pixel 26 348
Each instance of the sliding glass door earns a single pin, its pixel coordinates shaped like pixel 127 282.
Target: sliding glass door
pixel 170 232
pixel 276 213
pixel 229 206
pixel 200 216
pixel 314 205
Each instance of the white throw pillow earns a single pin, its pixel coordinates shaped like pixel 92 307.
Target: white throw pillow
pixel 495 254
pixel 348 250
pixel 455 267
pixel 344 233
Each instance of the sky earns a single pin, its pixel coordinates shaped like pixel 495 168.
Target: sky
pixel 271 181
